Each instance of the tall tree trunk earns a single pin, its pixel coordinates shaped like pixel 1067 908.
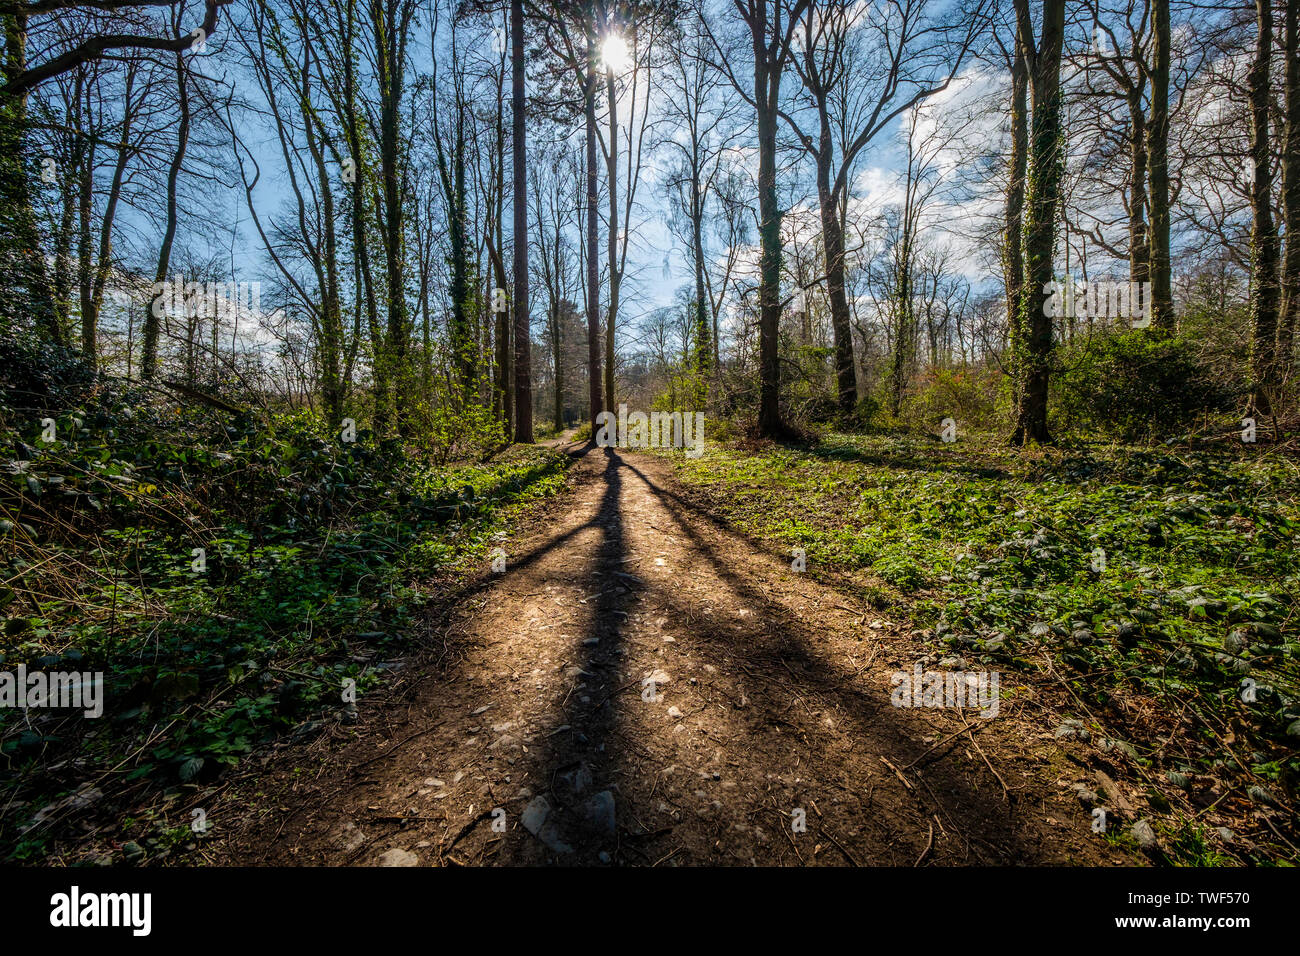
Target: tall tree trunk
pixel 62 280
pixel 1013 261
pixel 451 175
pixel 69 189
pixel 593 235
pixel 17 216
pixel 1290 197
pixel 846 379
pixel 615 274
pixel 519 151
pixel 703 347
pixel 497 245
pixel 367 297
pixel 1263 233
pixel 1139 252
pixel 1162 301
pixel 85 212
pixel 391 19
pixel 767 84
pixel 1042 196
pixel 157 298
pixel 463 338
pixel 905 336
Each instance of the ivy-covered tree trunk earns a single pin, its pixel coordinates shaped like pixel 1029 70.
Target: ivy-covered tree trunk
pixel 1263 232
pixel 392 20
pixel 703 343
pixel 771 49
pixel 366 297
pixel 1162 300
pixel 1042 197
pixel 1290 196
pixel 1139 251
pixel 502 379
pixel 1013 262
pixel 519 150
pixel 22 262
pixel 330 334
pixel 451 175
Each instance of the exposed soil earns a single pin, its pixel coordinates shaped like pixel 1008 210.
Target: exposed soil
pixel 533 736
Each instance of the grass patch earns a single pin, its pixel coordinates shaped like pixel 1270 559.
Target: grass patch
pixel 1158 588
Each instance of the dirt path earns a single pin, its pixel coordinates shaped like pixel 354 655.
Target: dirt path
pixel 540 739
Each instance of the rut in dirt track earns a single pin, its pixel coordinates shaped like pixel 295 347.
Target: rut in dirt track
pixel 644 686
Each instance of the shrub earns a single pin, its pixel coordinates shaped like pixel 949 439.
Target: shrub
pixel 39 375
pixel 1135 385
pixel 968 395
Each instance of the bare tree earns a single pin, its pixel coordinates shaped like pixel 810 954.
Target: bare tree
pixel 862 67
pixel 771 25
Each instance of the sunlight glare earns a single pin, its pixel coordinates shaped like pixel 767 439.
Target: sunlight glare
pixel 615 53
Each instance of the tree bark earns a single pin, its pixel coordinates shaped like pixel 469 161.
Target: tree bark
pixel 1042 197
pixel 1013 260
pixel 17 217
pixel 615 273
pixel 519 150
pixel 366 294
pixel 391 23
pixel 1162 302
pixel 330 334
pixel 1263 233
pixel 593 235
pixel 846 378
pixel 703 345
pixel 92 302
pixel 769 61
pixel 1139 252
pixel 1290 197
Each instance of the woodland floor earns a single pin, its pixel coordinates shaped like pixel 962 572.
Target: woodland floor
pixel 773 693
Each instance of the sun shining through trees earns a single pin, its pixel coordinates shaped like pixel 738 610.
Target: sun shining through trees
pixel 615 55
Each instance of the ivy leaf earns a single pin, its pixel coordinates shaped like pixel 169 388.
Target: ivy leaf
pixel 190 769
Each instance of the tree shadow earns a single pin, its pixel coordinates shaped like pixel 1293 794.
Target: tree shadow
pixel 888 732
pixel 574 816
pixel 589 795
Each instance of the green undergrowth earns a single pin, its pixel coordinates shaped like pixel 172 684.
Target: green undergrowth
pixel 316 556
pixel 1158 587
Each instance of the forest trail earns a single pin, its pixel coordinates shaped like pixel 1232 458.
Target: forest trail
pixel 539 739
